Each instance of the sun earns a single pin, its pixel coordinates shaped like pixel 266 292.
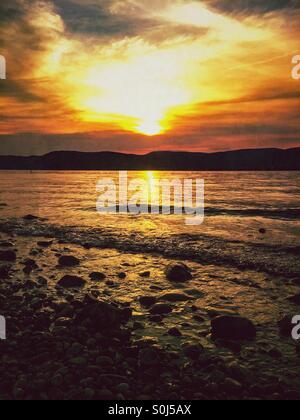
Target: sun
pixel 150 128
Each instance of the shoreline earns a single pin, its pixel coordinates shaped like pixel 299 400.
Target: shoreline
pixel 107 340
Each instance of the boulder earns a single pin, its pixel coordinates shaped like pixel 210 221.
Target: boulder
pixel 147 301
pixel 68 261
pixel 71 282
pixel 178 273
pixel 97 276
pixel 175 297
pixel 161 309
pixel 233 328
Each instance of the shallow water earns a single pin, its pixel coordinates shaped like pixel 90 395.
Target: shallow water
pixel 237 204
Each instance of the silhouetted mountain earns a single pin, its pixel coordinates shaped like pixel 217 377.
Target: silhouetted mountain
pixel 240 160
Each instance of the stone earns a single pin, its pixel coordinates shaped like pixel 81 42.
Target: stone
pixel 68 261
pixel 161 309
pixel 30 217
pixel 193 351
pixel 178 273
pixel 145 274
pixel 262 231
pixel 175 297
pixel 8 256
pixel 122 276
pixel 148 357
pixel 147 301
pixel 233 328
pixel 45 244
pixel 174 332
pixel 96 276
pixel 71 282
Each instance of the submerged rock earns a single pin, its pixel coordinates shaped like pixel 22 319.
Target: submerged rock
pixel 147 301
pixel 233 328
pixel 97 276
pixel 30 217
pixel 8 256
pixel 174 332
pixel 68 261
pixel 178 273
pixel 286 326
pixel 44 244
pixel 175 297
pixel 161 309
pixel 71 281
pixel 145 274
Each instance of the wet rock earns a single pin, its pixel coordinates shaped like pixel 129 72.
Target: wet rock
pixel 193 351
pixel 174 332
pixel 161 309
pixel 71 281
pixel 174 297
pixel 156 319
pixel 122 276
pixel 178 273
pixel 68 261
pixel 8 256
pixel 234 346
pixel 233 328
pixel 262 231
pixel 101 315
pixel 97 276
pixel 45 244
pixel 30 217
pixel 295 299
pixel 145 274
pixel 148 301
pixel 148 357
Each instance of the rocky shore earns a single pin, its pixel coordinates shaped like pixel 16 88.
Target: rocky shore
pixel 98 323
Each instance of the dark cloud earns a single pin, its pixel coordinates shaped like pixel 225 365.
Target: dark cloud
pixel 18 90
pixel 253 6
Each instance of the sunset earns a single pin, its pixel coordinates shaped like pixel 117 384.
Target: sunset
pixel 149 203
pixel 138 76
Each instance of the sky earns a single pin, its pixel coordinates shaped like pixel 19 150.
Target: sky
pixel 136 76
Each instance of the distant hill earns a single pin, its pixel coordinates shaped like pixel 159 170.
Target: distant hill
pixel 240 160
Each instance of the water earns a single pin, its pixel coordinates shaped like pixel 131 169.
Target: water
pixel 237 204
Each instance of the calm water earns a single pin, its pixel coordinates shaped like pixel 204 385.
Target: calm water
pixel 237 204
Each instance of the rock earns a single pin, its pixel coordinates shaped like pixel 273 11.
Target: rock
pixel 161 309
pixel 102 315
pixel 178 273
pixel 232 386
pixel 275 353
pixel 44 244
pixel 148 357
pixel 5 271
pixel 145 274
pixel 233 328
pixel 174 332
pixel 262 231
pixel 147 301
pixel 71 281
pixel 123 388
pixel 97 276
pixel 78 361
pixel 122 276
pixel 295 299
pixel 175 297
pixel 68 261
pixel 30 217
pixel 105 395
pixel 156 319
pixel 193 351
pixel 8 256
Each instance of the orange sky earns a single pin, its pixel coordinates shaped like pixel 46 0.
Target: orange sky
pixel 137 76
